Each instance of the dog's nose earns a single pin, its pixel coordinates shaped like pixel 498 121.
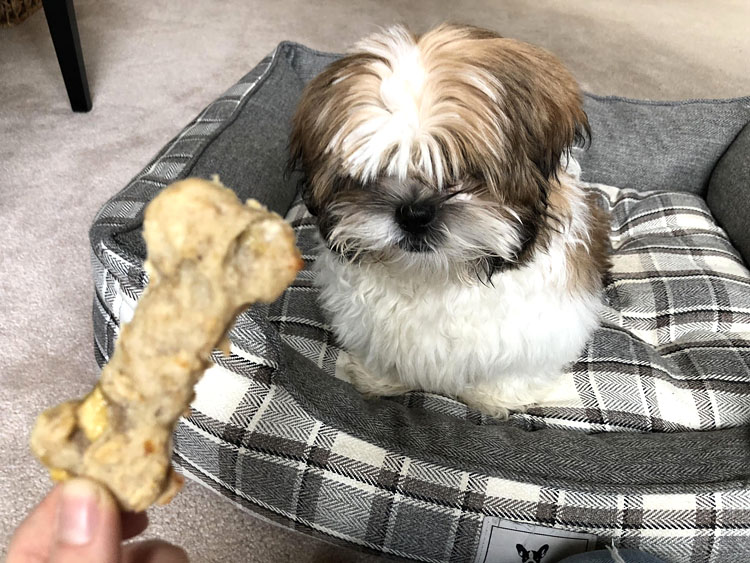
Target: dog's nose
pixel 415 217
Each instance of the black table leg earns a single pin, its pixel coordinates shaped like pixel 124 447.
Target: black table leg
pixel 61 20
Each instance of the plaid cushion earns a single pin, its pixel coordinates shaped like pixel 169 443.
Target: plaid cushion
pixel 274 432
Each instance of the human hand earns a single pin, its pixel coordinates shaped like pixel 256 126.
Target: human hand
pixel 79 522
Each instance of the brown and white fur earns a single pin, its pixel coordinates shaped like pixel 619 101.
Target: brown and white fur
pixel 462 257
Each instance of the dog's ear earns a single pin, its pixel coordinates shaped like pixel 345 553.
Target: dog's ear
pixel 295 165
pixel 542 551
pixel 549 104
pixel 540 100
pixel 320 117
pixel 306 150
pixel 522 551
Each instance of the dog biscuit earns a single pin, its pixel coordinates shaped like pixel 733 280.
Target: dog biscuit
pixel 209 257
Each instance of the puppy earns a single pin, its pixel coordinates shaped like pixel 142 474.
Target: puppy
pixel 460 258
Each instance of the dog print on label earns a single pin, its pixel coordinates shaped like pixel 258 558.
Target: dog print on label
pixel 533 555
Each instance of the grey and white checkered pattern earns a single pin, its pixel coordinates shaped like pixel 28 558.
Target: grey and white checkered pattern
pixel 674 351
pixel 672 355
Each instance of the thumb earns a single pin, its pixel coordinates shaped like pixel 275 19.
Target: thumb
pixel 87 525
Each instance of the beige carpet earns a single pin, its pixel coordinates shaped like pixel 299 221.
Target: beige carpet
pixel 152 66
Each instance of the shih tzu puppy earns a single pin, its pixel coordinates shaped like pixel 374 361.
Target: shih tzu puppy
pixel 461 257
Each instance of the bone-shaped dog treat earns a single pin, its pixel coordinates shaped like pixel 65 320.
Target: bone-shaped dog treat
pixel 209 257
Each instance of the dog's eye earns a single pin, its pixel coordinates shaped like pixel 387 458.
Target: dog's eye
pixel 458 190
pixel 364 186
pixel 472 184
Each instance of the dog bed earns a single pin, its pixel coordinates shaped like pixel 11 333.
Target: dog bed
pixel 652 449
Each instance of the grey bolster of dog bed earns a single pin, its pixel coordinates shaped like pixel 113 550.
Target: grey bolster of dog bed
pixel 306 464
pixel 701 147
pixel 729 192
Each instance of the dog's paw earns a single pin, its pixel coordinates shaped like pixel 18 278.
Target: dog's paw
pixel 350 369
pixel 518 393
pixel 487 403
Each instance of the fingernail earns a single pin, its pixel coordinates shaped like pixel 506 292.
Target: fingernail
pixel 78 513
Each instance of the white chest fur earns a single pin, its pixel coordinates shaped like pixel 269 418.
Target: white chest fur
pixel 516 334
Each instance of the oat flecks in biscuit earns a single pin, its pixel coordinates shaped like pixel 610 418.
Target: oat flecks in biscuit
pixel 209 257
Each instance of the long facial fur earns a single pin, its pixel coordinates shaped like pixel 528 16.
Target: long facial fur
pixel 468 231
pixel 461 117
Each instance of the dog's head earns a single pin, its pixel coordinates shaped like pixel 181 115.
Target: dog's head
pixel 438 152
pixel 531 555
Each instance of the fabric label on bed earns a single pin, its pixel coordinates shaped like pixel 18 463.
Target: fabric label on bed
pixel 504 541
